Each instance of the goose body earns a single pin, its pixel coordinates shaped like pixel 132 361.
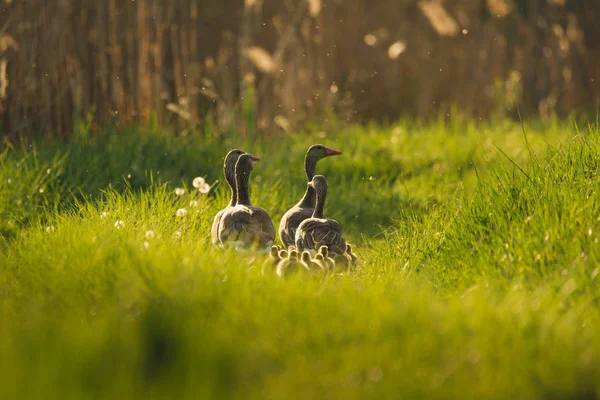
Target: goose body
pixel 318 230
pixel 245 226
pixel 305 207
pixel 229 174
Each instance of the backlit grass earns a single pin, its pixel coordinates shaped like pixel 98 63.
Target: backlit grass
pixel 479 257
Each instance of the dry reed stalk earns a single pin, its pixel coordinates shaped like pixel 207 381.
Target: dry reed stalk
pixel 130 60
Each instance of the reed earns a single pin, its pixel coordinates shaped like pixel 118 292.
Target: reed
pixel 271 66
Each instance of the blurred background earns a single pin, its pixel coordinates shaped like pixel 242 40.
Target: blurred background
pixel 274 65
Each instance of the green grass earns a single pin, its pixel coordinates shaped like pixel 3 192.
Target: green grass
pixel 479 270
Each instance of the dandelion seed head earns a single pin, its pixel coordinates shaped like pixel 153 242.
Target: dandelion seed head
pixel 194 203
pixel 119 224
pixel 103 215
pixel 198 182
pixel 149 235
pixel 177 234
pixel 181 212
pixel 9 181
pixel 146 245
pixel 205 188
pixel 42 190
pixel 180 191
pixel 50 228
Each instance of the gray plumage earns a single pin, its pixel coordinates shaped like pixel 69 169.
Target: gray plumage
pixel 305 207
pixel 246 227
pixel 318 230
pixel 229 174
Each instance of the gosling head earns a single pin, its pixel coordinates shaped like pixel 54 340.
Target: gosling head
pixel 306 257
pixel 274 251
pixel 294 254
pixel 324 250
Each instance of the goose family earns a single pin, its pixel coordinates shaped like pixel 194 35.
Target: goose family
pixel 311 241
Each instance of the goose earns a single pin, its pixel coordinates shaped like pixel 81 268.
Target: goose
pixel 291 264
pixel 274 258
pixel 312 265
pixel 342 262
pixel 246 226
pixel 229 174
pixel 318 230
pixel 319 259
pixel 353 258
pixel 304 208
pixel 324 253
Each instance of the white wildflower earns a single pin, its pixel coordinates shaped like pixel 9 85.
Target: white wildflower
pixel 119 224
pixel 177 234
pixel 205 188
pixel 103 215
pixel 198 182
pixel 9 181
pixel 181 212
pixel 149 235
pixel 180 191
pixel 50 228
pixel 42 190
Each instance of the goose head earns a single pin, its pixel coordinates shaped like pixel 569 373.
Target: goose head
pixel 245 163
pixel 319 151
pixel 319 183
pixel 229 163
pixel 314 154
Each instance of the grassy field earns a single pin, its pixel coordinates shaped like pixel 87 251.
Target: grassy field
pixel 479 251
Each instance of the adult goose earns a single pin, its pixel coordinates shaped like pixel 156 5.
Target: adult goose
pixel 246 226
pixel 318 230
pixel 229 173
pixel 305 207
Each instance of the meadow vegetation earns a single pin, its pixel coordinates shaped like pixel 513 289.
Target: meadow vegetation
pixel 479 260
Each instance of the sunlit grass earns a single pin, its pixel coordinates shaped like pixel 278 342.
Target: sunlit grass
pixel 478 277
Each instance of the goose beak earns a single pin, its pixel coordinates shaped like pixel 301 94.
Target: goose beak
pixel 332 152
pixel 254 158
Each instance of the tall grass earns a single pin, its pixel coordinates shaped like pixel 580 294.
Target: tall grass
pixel 478 278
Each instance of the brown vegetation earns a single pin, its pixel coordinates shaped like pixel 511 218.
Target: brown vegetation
pixel 258 64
